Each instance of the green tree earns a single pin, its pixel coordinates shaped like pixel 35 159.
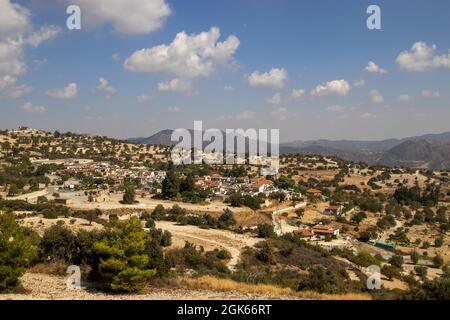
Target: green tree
pixel 265 231
pixel 170 184
pixel 129 195
pixel 396 261
pixel 415 257
pixel 123 256
pixel 16 251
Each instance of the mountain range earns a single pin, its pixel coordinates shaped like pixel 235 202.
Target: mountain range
pixel 430 151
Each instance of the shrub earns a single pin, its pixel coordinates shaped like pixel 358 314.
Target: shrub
pixel 265 231
pixel 16 251
pixel 396 261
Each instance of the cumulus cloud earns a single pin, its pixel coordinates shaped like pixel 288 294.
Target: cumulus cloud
pixel 228 88
pixel 275 99
pixel 174 109
pixel 336 108
pixel 16 91
pixel 372 67
pixel 430 94
pixel 422 57
pixel 280 113
pixel 404 97
pixel 105 89
pixel 245 115
pixel 175 85
pixel 338 87
pixel 16 32
pixel 29 107
pixel 188 56
pixel 115 56
pixel 297 94
pixel 68 92
pixel 144 98
pixel 376 96
pixel 368 115
pixel 43 34
pixel 275 78
pixel 127 17
pixel 359 83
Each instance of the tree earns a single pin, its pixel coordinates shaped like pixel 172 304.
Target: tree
pixel 438 261
pixel 415 257
pixel 124 260
pixel 16 251
pixel 266 231
pixel 227 218
pixel 170 184
pixel 396 261
pixel 129 196
pixel 390 271
pixel 266 254
pixel 421 271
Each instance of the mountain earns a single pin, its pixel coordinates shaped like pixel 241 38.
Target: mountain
pixel 161 138
pixel 427 151
pixel 419 153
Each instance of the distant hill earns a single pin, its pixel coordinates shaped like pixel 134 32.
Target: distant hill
pixel 160 138
pixel 430 151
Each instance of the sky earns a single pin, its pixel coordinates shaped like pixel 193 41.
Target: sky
pixel 309 68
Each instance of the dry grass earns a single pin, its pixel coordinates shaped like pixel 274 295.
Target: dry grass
pixel 212 283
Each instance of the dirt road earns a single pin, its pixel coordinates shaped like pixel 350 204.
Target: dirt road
pixel 210 239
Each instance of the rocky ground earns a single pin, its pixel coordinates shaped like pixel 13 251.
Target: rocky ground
pixel 49 287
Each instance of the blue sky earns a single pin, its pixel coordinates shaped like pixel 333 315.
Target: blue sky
pixel 245 78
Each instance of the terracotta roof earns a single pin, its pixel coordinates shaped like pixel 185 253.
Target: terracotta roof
pixel 313 191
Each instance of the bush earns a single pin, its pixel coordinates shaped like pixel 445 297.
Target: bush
pixel 324 280
pixel 266 231
pixel 396 261
pixel 16 251
pixel 124 260
pixel 438 261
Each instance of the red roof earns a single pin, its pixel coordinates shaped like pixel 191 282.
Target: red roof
pixel 313 191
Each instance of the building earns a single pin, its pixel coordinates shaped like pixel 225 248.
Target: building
pixel 334 210
pixel 322 230
pixel 314 192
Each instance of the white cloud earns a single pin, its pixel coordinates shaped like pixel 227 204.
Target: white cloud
pixel 275 78
pixel 430 94
pixel 372 67
pixel 43 34
pixel 188 56
pixel 16 32
pixel 280 113
pixel 15 91
pixel 176 85
pixel 174 109
pixel 422 57
pixel 297 94
pixel 368 115
pixel 29 107
pixel 359 83
pixel 105 88
pixel 339 87
pixel 144 98
pixel 7 81
pixel 128 17
pixel 337 108
pixel 275 99
pixel 228 88
pixel 115 56
pixel 14 20
pixel 405 97
pixel 245 115
pixel 68 92
pixel 376 96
